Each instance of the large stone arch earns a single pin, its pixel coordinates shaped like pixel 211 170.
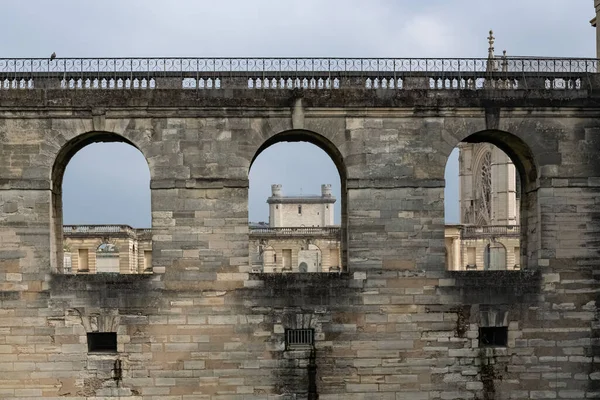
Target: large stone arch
pixel 301 135
pixel 61 160
pixel 517 149
pixel 332 150
pixel 523 157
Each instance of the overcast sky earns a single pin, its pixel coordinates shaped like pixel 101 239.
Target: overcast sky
pixel 118 192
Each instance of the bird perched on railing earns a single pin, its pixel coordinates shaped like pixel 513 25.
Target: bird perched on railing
pixel 52 56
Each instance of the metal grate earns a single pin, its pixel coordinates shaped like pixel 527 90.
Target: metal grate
pixel 299 338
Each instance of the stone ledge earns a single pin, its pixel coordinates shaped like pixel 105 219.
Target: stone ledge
pixel 385 183
pixel 495 287
pixel 301 276
pixel 250 98
pixel 25 184
pixel 73 281
pixel 199 183
pixel 490 279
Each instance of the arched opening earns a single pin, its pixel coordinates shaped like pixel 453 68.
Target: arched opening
pixel 101 194
pixel 310 259
pixel 491 204
pixel 494 257
pixel 303 267
pixel 297 203
pixel 107 258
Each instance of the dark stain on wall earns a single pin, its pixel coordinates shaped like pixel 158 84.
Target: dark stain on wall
pixel 296 301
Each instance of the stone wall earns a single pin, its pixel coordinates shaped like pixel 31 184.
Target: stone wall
pixel 395 325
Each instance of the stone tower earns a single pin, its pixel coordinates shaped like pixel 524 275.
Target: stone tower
pixel 301 211
pixel 489 186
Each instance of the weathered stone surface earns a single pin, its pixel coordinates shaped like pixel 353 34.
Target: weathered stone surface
pixel 393 325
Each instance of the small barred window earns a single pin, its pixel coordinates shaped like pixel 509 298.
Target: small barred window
pixel 299 338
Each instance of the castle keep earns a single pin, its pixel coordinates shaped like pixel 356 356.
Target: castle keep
pixel 300 236
pixel 193 319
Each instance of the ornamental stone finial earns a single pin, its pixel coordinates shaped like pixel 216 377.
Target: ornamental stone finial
pixel 504 62
pixel 491 39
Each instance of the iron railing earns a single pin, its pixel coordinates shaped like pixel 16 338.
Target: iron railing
pixel 330 232
pixel 475 232
pixel 318 73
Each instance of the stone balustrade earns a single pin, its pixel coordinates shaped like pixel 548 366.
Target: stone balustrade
pixel 104 230
pixel 474 232
pixel 515 73
pixel 317 232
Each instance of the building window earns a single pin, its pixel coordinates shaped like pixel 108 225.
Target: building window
pixel 494 257
pixel 277 206
pixel 471 259
pixel 493 336
pixel 82 260
pixel 102 342
pixel 299 338
pixel 67 263
pixel 107 258
pixel 148 260
pixel 287 259
pixel 299 209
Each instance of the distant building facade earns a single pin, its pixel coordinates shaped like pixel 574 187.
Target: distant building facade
pixel 488 236
pixel 91 249
pixel 300 236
